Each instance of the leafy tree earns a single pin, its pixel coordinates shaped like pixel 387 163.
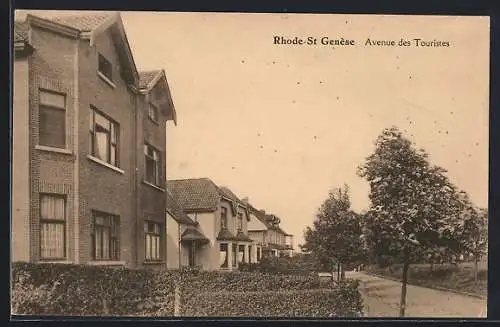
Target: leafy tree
pixel 335 235
pixel 475 233
pixel 414 206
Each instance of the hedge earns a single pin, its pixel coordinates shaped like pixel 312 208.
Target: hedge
pixel 341 301
pixel 81 290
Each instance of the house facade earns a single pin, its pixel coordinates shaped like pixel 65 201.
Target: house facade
pixel 221 217
pixel 270 239
pixel 185 241
pixel 89 146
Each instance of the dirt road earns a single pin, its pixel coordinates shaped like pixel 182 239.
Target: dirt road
pixel 382 296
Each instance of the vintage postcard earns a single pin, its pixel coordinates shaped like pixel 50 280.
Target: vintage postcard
pixel 249 165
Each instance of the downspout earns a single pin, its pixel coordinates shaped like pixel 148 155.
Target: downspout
pixel 136 206
pixel 179 242
pixel 76 165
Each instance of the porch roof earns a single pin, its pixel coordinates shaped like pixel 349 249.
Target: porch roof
pixel 225 235
pixel 242 237
pixel 192 234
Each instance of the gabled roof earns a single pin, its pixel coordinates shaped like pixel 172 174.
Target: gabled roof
pixel 85 22
pixel 87 25
pixel 228 194
pixel 146 77
pixel 176 211
pixel 149 79
pixel 200 194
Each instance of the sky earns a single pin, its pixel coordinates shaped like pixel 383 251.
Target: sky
pixel 283 124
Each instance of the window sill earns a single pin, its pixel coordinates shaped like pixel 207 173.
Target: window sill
pixel 106 80
pixel 153 262
pixel 106 263
pixel 58 261
pixel 52 149
pixel 154 186
pixel 105 164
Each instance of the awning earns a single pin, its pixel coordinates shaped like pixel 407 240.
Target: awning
pixel 192 234
pixel 225 235
pixel 243 238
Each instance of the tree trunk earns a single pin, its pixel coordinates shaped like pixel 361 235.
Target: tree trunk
pixel 342 272
pixel 476 259
pixel 406 267
pixel 338 272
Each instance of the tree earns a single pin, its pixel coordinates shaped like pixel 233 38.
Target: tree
pixel 335 236
pixel 414 206
pixel 475 233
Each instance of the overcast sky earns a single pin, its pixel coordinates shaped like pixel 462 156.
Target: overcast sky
pixel 284 124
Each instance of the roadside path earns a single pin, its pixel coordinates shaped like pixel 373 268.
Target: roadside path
pixel 381 298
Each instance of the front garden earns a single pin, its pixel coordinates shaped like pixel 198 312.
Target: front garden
pixel 69 290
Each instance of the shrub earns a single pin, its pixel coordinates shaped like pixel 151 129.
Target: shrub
pixel 79 290
pixel 341 301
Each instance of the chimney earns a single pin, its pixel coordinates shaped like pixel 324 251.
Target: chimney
pixel 245 199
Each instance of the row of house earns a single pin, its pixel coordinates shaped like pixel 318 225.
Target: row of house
pixel 210 227
pixel 88 160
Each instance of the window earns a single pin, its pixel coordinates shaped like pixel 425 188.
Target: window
pixel 223 255
pixel 223 218
pixel 104 135
pixel 241 253
pixel 152 240
pixel 52 119
pixel 52 226
pixel 105 67
pixel 153 112
pixel 240 221
pixel 152 164
pixel 105 237
pixel 235 250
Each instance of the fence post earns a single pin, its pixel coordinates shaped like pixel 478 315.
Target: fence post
pixel 177 301
pixel 105 308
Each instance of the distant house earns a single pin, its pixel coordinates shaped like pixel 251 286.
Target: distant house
pixel 184 240
pixel 270 239
pixel 221 217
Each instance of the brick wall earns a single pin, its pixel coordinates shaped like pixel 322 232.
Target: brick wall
pixel 102 188
pixel 52 68
pixel 152 201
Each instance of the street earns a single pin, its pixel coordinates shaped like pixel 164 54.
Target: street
pixel 382 297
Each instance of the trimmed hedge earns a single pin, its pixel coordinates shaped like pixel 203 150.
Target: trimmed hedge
pixel 80 290
pixel 64 289
pixel 341 301
pixel 454 277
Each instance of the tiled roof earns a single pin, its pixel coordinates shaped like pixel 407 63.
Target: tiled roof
pixel 229 194
pixel 146 77
pixel 242 237
pixel 84 22
pixel 225 235
pixel 195 194
pixel 177 212
pixel 20 32
pixel 192 234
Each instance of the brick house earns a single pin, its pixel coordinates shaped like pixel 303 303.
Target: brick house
pixel 221 217
pixel 89 145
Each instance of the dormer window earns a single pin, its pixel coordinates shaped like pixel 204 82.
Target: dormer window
pixel 105 67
